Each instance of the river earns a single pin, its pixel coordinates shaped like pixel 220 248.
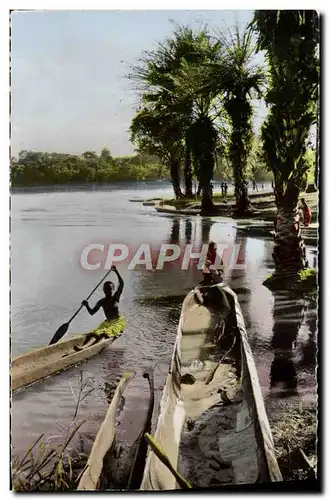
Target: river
pixel 49 229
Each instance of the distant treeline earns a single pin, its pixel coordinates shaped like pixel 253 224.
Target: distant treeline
pixel 33 168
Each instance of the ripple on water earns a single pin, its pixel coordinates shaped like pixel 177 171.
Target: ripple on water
pixel 48 284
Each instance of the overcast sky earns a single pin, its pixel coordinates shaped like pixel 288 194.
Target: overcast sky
pixel 69 91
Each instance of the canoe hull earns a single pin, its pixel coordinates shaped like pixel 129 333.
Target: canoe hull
pixel 46 361
pixel 251 427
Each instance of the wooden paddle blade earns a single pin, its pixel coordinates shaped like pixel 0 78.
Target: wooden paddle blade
pixel 60 333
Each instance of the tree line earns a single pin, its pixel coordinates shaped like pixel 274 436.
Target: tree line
pixel 32 168
pixel 41 168
pixel 195 119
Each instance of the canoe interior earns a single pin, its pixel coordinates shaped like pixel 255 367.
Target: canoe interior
pixel 212 423
pixel 48 360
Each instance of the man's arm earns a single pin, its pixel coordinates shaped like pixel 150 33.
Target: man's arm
pixel 118 293
pixel 92 310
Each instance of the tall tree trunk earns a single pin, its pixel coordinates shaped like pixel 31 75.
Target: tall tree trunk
pixel 242 202
pixel 206 174
pixel 202 141
pixel 199 191
pixel 175 177
pixel 207 206
pixel 188 173
pixel 289 249
pixel 317 150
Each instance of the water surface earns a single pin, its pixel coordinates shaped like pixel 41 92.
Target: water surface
pixel 49 231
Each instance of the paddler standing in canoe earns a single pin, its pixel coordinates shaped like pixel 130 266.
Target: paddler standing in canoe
pixel 114 323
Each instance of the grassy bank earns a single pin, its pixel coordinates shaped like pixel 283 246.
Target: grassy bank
pixel 262 203
pixel 294 437
pixel 304 284
pixel 48 466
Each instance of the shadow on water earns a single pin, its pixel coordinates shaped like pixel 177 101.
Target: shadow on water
pixel 175 231
pixel 188 230
pixel 288 316
pixel 206 225
pixel 281 330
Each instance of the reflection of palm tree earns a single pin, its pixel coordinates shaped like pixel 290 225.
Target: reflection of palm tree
pixel 309 348
pixel 205 230
pixel 175 231
pixel 240 253
pixel 268 250
pixel 288 317
pixel 188 230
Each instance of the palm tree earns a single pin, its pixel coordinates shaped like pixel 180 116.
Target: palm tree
pixel 238 80
pixel 290 40
pixel 160 74
pixel 158 133
pixel 207 131
pixel 230 80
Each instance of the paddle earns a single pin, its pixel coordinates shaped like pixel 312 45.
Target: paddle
pixel 63 329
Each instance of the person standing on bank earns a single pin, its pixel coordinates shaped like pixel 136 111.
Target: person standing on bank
pixel 307 214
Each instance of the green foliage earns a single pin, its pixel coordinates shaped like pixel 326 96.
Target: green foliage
pixel 304 283
pixel 36 168
pixel 172 108
pixel 290 40
pixel 241 81
pixel 256 168
pixel 295 429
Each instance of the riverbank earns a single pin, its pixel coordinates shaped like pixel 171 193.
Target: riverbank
pixel 263 203
pixel 295 443
pixel 258 224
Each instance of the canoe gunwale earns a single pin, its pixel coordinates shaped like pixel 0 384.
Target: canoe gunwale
pixel 249 377
pixel 63 362
pixel 171 402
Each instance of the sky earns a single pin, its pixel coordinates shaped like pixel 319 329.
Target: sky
pixel 69 91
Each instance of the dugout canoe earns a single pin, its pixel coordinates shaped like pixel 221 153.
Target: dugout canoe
pixel 212 421
pixel 46 361
pixel 104 463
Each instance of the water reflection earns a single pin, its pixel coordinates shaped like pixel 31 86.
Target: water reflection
pixel 238 262
pixel 288 317
pixel 206 225
pixel 188 231
pixel 309 348
pixel 175 231
pixel 151 332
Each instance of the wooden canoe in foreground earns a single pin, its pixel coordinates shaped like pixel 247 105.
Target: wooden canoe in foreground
pixel 46 361
pixel 212 423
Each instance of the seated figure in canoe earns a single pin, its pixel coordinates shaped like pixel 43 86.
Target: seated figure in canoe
pixel 209 271
pixel 114 323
